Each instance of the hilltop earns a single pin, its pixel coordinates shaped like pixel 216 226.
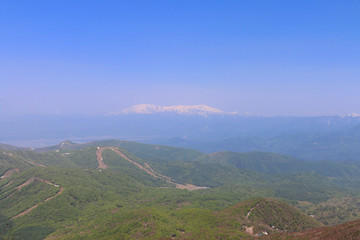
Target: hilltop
pixel 186 222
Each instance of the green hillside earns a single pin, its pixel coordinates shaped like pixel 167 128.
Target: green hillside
pixel 348 231
pixel 191 223
pixel 63 193
pixel 257 161
pixel 335 145
pixel 337 210
pixel 162 156
pixel 143 151
pixel 10 161
pixel 343 173
pixel 270 215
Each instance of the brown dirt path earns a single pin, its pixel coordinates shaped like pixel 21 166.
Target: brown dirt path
pixel 32 179
pixel 248 214
pixel 32 163
pixel 99 158
pixel 36 205
pixel 25 212
pixel 36 164
pixel 9 172
pixel 145 168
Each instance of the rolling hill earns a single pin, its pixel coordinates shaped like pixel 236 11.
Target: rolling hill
pixel 142 192
pixel 332 144
pixel 348 231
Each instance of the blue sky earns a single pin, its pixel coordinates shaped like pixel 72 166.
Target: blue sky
pixel 263 57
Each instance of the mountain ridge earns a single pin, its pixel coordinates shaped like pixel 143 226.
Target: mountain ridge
pixel 202 110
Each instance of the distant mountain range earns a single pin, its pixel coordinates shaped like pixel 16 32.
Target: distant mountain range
pixel 202 110
pixel 10 147
pixel 198 127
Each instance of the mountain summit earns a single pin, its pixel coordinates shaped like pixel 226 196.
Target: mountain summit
pixel 203 110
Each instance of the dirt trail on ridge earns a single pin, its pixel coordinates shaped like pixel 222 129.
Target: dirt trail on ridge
pixel 99 158
pixel 248 214
pixel 144 167
pixel 9 172
pixel 18 188
pixel 32 163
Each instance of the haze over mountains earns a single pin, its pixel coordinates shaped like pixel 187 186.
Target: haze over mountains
pixel 233 177
pixel 199 127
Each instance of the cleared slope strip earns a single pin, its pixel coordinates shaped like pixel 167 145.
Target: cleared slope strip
pixel 145 168
pixel 27 182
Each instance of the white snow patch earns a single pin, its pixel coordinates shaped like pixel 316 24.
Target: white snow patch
pixel 353 115
pixel 179 109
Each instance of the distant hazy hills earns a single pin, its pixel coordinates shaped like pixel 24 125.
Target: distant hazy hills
pixel 168 159
pixel 11 147
pixel 198 127
pixel 339 144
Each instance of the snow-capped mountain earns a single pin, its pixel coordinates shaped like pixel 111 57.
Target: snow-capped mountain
pixel 355 115
pixel 203 110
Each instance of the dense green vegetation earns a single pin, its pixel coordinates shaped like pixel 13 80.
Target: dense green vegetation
pixel 348 231
pixel 75 200
pixel 272 163
pixel 280 216
pixel 187 222
pixel 9 161
pixel 336 210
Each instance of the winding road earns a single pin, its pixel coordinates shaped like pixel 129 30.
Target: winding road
pixel 27 182
pixel 144 167
pixel 36 205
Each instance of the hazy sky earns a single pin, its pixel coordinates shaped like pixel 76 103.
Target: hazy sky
pixel 264 57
